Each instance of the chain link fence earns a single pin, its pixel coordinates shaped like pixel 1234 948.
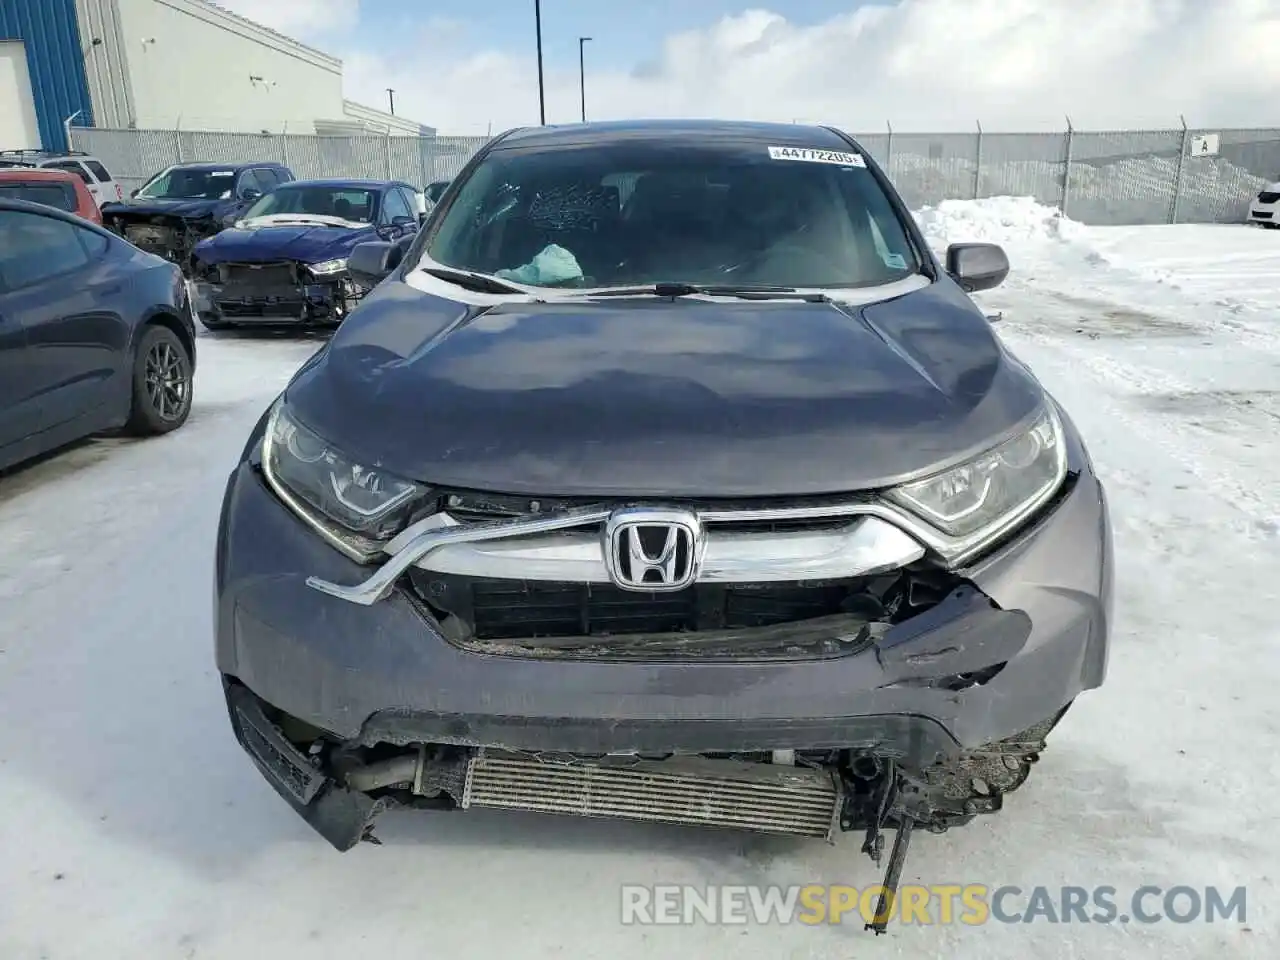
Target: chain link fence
pixel 134 156
pixel 1112 177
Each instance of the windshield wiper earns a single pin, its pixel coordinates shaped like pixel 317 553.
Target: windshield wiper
pixel 740 291
pixel 472 281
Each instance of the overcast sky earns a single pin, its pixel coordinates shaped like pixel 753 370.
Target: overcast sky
pixel 931 65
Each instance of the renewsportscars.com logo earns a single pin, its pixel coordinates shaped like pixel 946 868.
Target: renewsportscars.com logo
pixel 972 904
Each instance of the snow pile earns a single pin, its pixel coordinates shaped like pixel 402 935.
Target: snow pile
pixel 1009 221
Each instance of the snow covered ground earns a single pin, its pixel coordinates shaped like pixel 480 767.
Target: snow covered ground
pixel 133 826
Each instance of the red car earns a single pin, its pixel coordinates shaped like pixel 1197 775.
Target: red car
pixel 53 188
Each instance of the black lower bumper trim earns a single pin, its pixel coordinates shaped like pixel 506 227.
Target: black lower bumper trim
pixel 917 741
pixel 339 815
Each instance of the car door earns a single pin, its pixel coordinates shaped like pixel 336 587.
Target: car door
pixel 69 293
pixel 17 415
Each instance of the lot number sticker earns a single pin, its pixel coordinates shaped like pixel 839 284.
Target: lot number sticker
pixel 817 156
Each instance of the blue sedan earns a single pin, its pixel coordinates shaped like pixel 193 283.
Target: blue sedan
pixel 285 261
pixel 95 334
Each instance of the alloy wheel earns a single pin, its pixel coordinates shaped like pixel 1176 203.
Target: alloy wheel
pixel 168 383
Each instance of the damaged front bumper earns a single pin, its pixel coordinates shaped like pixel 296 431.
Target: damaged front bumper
pixel 272 293
pixel 350 703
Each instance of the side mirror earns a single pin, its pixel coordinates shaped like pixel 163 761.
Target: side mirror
pixel 977 266
pixel 134 192
pixel 250 194
pixel 372 261
pixel 403 222
pixel 422 218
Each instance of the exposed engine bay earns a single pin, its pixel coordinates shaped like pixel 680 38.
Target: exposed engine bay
pixel 171 237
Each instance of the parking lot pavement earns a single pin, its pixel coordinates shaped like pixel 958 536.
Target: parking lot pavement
pixel 135 827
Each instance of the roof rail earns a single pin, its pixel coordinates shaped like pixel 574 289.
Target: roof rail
pixel 32 152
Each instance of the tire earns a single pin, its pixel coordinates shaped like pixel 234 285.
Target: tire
pixel 162 383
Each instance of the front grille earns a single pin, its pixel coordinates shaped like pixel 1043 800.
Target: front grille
pixel 505 609
pixel 267 290
pixel 1268 197
pixel 708 621
pixel 794 801
pixel 1262 214
pixel 291 309
pixel 279 274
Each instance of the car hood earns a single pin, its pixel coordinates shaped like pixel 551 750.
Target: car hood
pixel 308 243
pixel 187 209
pixel 663 398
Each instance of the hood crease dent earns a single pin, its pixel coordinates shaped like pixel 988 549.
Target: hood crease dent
pixel 664 398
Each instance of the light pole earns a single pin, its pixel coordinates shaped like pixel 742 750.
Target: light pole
pixel 542 96
pixel 582 77
pixel 391 96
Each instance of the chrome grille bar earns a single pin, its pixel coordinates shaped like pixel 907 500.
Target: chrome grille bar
pixel 567 546
pixel 863 546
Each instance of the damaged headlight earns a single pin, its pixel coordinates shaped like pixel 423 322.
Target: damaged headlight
pixel 328 268
pixel 980 499
pixel 355 507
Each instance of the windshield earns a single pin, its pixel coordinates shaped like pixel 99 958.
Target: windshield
pixel 628 214
pixel 180 184
pixel 60 195
pixel 345 203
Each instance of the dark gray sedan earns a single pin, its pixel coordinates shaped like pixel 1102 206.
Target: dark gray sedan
pixel 95 334
pixel 665 476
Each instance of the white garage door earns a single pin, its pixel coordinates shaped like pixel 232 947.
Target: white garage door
pixel 18 128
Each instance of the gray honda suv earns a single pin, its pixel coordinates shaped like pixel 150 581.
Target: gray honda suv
pixel 665 476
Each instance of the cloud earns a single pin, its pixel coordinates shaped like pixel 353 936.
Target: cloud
pixel 920 64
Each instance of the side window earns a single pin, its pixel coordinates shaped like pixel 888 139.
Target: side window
pixel 249 181
pixel 394 205
pixel 35 248
pixel 95 244
pixel 267 178
pixel 98 170
pixel 71 166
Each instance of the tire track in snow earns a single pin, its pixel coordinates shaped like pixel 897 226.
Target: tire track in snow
pixel 1124 385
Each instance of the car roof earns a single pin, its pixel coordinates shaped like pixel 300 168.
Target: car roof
pixel 340 182
pixel 24 206
pixel 613 131
pixel 39 156
pixel 29 174
pixel 215 165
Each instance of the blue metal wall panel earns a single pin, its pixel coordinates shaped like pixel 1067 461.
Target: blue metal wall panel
pixel 55 60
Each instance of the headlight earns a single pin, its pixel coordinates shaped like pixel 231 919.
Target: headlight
pixel 328 267
pixel 357 508
pixel 985 496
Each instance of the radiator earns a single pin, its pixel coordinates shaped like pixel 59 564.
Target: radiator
pixel 757 797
